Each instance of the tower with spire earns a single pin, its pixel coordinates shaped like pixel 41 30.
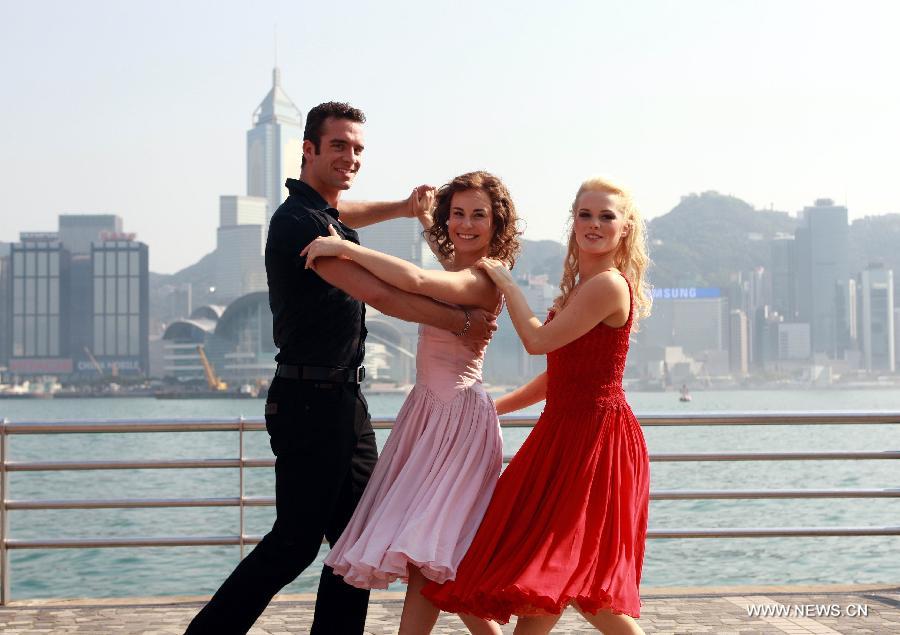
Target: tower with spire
pixel 274 146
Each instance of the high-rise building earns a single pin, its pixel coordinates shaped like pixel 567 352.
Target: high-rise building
pixel 242 210
pixel 240 247
pixel 274 146
pixel 896 334
pixel 39 309
pixel 400 237
pixel 179 300
pixel 765 346
pixel 822 274
pixel 5 289
pixel 121 300
pixel 83 310
pixel 78 231
pixel 878 319
pixel 694 318
pixel 794 341
pixel 738 348
pixel 783 301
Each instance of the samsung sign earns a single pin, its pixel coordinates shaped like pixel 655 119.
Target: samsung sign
pixel 685 293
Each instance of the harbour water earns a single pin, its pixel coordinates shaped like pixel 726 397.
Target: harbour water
pixel 692 562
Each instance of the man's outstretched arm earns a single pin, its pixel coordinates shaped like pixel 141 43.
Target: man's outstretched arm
pixel 362 285
pixel 358 214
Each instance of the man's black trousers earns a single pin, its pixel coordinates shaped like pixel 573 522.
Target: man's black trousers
pixel 325 450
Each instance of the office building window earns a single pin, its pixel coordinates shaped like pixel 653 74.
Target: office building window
pixel 99 348
pixel 54 336
pixel 54 295
pixel 117 299
pixel 134 287
pixel 41 295
pixel 134 338
pixel 18 348
pixel 110 335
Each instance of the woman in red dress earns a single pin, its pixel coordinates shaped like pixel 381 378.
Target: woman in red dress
pixel 568 520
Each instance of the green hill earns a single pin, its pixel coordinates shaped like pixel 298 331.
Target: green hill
pixel 708 236
pixel 876 239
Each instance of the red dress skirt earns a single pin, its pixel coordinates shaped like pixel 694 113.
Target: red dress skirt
pixel 568 519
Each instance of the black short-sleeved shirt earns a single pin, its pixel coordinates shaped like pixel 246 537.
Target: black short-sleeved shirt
pixel 314 323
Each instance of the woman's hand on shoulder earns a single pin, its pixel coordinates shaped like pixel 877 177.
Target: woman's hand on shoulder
pixel 498 272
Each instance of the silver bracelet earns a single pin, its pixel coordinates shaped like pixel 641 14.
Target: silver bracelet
pixel 466 327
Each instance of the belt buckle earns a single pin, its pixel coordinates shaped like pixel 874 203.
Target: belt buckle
pixel 360 374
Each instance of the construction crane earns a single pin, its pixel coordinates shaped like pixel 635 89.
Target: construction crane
pixel 93 361
pixel 212 381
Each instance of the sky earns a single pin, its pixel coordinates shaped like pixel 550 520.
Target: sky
pixel 141 108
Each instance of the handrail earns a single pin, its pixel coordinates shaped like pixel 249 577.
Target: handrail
pixel 269 501
pixel 241 425
pixel 233 424
pixel 167 464
pixel 205 541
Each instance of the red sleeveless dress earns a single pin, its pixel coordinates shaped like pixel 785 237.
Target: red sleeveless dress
pixel 568 518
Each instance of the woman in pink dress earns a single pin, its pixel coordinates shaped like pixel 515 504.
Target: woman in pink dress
pixel 568 520
pixel 439 466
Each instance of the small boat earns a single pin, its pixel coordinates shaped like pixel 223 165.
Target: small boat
pixel 685 394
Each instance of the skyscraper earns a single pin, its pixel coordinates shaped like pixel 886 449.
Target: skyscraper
pixel 400 237
pixel 79 309
pixel 121 316
pixel 78 231
pixel 240 244
pixel 822 270
pixel 783 300
pixel 274 146
pixel 738 343
pixel 878 319
pixel 5 282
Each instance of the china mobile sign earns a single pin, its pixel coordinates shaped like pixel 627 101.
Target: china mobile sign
pixel 128 365
pixel 686 293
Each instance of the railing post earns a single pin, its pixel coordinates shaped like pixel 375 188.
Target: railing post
pixel 241 481
pixel 4 520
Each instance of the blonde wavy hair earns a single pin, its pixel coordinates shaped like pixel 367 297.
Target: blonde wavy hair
pixel 631 254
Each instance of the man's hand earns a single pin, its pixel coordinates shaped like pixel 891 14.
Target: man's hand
pixel 482 325
pixel 420 202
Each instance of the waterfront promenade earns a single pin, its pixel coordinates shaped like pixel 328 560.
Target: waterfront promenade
pixel 721 611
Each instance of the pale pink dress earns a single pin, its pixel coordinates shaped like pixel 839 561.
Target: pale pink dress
pixel 434 479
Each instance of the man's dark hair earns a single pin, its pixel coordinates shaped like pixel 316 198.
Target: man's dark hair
pixel 316 117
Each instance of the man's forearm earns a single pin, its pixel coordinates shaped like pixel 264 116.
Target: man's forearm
pixel 410 307
pixel 362 285
pixel 358 214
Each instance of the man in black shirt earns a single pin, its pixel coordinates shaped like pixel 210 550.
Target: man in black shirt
pixel 316 416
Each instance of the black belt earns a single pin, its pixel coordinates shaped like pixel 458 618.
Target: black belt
pixel 322 373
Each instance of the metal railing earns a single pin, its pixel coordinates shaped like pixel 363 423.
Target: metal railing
pixel 242 425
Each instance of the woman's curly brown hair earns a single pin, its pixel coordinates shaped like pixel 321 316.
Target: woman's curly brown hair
pixel 504 245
